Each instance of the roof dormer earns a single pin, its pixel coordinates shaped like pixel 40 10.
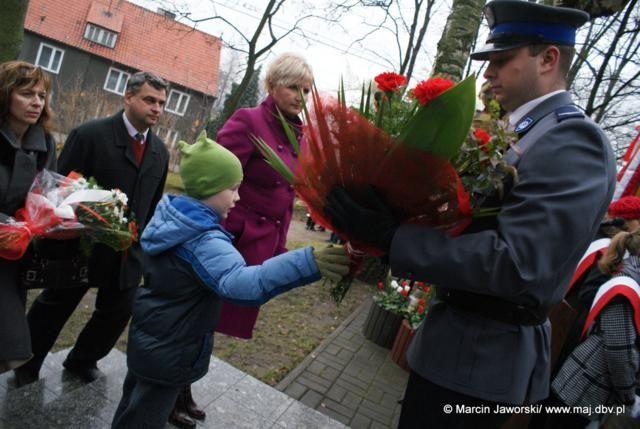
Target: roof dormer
pixel 104 23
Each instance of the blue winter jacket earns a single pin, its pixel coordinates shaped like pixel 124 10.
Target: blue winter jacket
pixel 190 265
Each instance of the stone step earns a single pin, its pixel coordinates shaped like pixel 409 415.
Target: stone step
pixel 59 399
pixel 231 399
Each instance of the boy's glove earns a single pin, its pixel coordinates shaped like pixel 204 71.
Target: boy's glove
pixel 373 224
pixel 333 262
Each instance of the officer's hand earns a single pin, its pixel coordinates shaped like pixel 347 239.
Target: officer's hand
pixel 333 262
pixel 373 224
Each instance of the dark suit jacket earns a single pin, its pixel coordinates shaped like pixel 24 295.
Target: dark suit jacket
pixel 566 172
pixel 101 149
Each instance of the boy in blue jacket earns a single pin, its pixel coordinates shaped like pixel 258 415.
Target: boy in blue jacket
pixel 190 266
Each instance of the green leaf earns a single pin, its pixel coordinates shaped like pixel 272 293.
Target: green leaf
pixel 368 102
pixel 272 158
pixel 442 125
pixel 288 130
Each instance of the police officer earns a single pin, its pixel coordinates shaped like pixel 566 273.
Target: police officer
pixel 486 340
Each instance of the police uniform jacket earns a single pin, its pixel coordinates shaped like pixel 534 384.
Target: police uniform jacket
pixel 566 180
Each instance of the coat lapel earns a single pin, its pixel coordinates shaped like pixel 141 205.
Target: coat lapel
pixel 151 153
pixel 121 138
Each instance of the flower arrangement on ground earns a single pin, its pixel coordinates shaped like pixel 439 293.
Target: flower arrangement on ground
pixel 407 298
pixel 405 144
pixel 67 207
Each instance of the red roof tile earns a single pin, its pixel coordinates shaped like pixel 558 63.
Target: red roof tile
pixel 147 41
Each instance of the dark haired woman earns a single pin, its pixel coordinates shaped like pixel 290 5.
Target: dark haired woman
pixel 26 147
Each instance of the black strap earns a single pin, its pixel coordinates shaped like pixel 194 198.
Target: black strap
pixel 493 308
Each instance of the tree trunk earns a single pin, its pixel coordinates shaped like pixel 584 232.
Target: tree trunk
pixel 458 36
pixel 595 8
pixel 12 28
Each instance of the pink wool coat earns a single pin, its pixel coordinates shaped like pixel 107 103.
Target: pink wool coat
pixel 260 220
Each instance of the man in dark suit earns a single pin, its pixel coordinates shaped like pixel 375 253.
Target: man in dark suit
pixel 119 152
pixel 486 339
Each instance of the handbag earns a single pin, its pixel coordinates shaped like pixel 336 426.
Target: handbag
pixel 54 264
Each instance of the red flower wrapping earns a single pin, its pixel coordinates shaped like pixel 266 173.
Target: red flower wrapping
pixel 429 89
pixel 390 82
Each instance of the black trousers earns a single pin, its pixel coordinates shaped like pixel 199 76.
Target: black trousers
pixel 144 405
pixel 51 310
pixel 427 406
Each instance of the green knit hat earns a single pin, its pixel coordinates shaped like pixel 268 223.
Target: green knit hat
pixel 207 168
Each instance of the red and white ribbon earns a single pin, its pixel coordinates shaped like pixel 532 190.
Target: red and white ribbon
pixel 624 286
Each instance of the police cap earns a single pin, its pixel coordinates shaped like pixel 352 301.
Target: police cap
pixel 515 23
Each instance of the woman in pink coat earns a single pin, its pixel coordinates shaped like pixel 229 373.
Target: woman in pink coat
pixel 261 218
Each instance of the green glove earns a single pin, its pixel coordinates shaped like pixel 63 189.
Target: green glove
pixel 333 262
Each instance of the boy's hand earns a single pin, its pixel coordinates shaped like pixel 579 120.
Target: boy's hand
pixel 333 262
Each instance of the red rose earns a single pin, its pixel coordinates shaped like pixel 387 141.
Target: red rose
pixel 483 138
pixel 405 283
pixel 380 285
pixel 404 292
pixel 390 82
pixel 422 301
pixel 429 89
pixel 420 309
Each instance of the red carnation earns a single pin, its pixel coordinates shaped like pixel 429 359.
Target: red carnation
pixel 483 138
pixel 389 81
pixel 429 89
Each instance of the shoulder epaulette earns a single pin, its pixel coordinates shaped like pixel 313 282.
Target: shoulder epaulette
pixel 567 112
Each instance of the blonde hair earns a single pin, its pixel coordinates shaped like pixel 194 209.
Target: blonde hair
pixel 288 69
pixel 621 242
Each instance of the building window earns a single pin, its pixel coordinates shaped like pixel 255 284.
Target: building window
pixel 116 81
pixel 49 58
pixel 100 35
pixel 177 102
pixel 168 136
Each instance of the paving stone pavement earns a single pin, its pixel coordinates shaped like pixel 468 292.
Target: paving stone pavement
pixel 350 378
pixel 231 399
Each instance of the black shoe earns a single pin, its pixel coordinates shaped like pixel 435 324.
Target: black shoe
pixel 85 372
pixel 24 376
pixel 190 405
pixel 181 420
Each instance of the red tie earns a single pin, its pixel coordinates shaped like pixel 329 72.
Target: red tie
pixel 138 147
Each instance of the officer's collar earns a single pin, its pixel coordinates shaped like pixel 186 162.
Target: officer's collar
pixel 542 109
pixel 517 115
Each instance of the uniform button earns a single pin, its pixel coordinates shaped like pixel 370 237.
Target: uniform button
pixel 278 183
pixel 291 187
pixel 262 219
pixel 278 223
pixel 280 148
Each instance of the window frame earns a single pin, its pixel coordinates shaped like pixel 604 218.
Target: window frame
pixel 101 34
pixel 53 52
pixel 106 81
pixel 181 95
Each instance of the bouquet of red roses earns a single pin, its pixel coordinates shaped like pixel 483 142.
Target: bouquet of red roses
pixel 66 207
pixel 400 142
